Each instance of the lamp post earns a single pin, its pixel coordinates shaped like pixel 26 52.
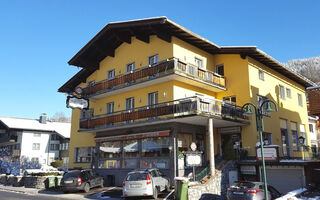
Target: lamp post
pixel 259 112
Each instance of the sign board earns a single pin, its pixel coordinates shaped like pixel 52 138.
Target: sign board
pixel 75 102
pixel 193 158
pixel 248 169
pixel 270 153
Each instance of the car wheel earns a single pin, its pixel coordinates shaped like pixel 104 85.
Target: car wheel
pixel 86 188
pixel 155 193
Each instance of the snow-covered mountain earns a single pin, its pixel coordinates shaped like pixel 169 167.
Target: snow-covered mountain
pixel 308 67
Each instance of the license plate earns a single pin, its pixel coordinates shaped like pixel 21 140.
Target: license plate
pixel 238 193
pixel 68 181
pixel 135 186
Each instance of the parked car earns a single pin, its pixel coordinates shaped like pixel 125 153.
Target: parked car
pixel 145 182
pixel 250 190
pixel 80 180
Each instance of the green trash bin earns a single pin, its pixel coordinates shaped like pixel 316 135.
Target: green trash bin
pixel 50 182
pixel 58 181
pixel 181 188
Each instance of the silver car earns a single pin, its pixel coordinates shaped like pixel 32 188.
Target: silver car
pixel 144 182
pixel 247 190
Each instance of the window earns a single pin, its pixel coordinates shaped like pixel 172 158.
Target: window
pixel 261 75
pixel 288 92
pixel 281 92
pixel 35 160
pixel 220 70
pixel 152 60
pixel 199 63
pixel 111 74
pixel 311 128
pixel 130 103
pixel 261 99
pixel 36 135
pixel 300 100
pixel 303 134
pixel 110 154
pixel 91 83
pixel 83 154
pixel 294 133
pixel 152 98
pixel 267 138
pixel 130 67
pixel 54 147
pixel 131 151
pixel 230 99
pixel 110 107
pixel 35 146
pixel 54 137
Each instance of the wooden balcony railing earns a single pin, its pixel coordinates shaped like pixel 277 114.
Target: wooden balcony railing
pixel 168 110
pixel 169 66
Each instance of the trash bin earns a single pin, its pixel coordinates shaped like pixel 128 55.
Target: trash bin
pixel 50 182
pixel 58 181
pixel 181 188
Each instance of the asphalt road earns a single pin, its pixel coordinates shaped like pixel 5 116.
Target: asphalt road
pixel 18 196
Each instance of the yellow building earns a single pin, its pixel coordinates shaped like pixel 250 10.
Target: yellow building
pixel 155 87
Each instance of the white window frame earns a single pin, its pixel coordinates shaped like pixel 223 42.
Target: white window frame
pixel 130 103
pixel 152 98
pixel 153 60
pixel 111 74
pixel 35 146
pixel 261 74
pixel 199 63
pixel 300 103
pixel 282 92
pixel 288 93
pixel 130 67
pixel 110 108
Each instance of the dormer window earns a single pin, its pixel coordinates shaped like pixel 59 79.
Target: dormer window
pixel 153 60
pixel 130 67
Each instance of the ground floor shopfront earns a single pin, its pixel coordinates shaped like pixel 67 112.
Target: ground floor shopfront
pixel 161 146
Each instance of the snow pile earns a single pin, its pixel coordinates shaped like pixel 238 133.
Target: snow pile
pixel 291 195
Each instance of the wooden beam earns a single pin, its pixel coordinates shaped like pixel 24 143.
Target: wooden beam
pixel 143 38
pixel 123 37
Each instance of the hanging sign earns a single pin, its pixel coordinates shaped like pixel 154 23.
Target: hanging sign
pixel 75 102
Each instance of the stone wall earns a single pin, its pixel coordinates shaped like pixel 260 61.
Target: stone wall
pixel 34 182
pixel 216 186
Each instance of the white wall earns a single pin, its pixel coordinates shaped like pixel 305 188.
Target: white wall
pixel 44 154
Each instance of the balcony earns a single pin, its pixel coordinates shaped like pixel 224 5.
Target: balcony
pixel 173 110
pixel 195 76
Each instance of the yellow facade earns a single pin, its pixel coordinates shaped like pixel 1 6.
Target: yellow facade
pixel 242 81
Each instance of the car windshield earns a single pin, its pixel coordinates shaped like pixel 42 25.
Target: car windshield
pixel 71 175
pixel 243 184
pixel 137 177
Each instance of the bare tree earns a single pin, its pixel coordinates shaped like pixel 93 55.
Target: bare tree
pixel 60 117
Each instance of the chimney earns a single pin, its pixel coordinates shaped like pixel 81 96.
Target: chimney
pixel 43 118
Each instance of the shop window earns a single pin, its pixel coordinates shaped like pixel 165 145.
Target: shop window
pixel 130 148
pixel 83 154
pixel 159 163
pixel 155 147
pixel 110 150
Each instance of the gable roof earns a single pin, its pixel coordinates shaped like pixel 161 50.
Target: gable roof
pixel 114 34
pixel 61 128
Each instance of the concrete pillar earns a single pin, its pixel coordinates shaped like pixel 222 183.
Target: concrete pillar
pixel 211 146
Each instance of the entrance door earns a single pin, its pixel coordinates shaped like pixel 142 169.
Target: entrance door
pixel 228 153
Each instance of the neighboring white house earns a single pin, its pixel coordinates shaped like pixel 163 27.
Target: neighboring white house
pixel 313 132
pixel 36 140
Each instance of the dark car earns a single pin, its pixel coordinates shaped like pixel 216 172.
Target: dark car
pixel 248 190
pixel 83 180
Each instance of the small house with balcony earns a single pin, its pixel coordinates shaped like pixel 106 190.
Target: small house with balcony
pixel 154 88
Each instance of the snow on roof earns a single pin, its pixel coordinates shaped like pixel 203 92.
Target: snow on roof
pixel 62 128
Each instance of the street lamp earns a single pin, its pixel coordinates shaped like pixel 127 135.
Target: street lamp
pixel 259 112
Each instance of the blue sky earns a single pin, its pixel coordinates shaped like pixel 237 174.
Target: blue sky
pixel 37 38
